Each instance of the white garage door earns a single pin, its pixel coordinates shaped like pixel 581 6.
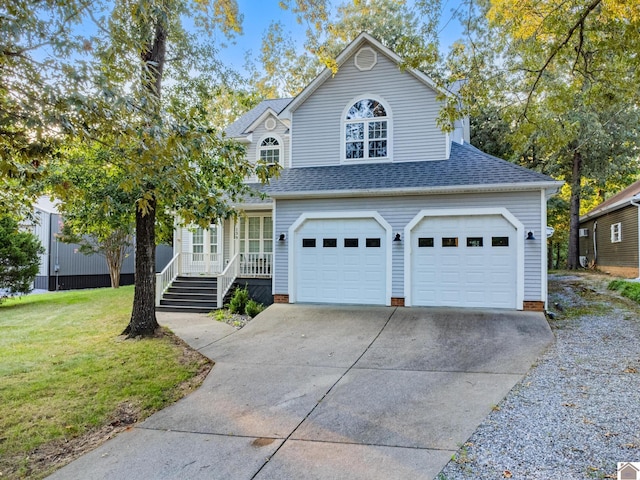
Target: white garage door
pixel 464 261
pixel 341 261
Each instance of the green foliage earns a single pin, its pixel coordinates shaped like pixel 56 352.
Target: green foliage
pixel 253 308
pixel 220 315
pixel 239 300
pixel 559 75
pixel 36 45
pixel 98 214
pixel 627 289
pixel 19 258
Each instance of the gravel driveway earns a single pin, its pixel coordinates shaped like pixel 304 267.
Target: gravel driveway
pixel 577 412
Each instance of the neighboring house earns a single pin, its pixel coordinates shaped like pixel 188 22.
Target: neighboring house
pixel 608 235
pixel 375 204
pixel 63 267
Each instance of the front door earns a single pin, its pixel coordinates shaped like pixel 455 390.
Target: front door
pixel 205 256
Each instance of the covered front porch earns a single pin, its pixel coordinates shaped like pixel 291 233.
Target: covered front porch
pixel 215 257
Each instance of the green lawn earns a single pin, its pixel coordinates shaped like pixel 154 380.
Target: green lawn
pixel 65 371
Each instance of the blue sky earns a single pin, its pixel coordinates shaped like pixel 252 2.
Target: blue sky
pixel 258 14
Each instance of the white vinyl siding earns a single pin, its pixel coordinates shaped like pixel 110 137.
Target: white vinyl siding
pixel 399 211
pixel 316 124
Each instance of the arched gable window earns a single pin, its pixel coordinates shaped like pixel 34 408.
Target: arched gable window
pixel 366 127
pixel 269 151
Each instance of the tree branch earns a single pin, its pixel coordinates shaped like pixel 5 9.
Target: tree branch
pixel 557 49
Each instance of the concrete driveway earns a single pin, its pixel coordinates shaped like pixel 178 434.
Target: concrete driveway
pixel 326 392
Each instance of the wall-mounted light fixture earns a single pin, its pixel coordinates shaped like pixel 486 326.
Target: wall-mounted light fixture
pixel 397 238
pixel 530 235
pixel 281 237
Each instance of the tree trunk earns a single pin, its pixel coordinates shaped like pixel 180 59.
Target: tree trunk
pixel 550 255
pixel 143 317
pixel 573 260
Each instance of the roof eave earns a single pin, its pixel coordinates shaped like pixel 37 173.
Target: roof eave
pixel 611 208
pixel 550 187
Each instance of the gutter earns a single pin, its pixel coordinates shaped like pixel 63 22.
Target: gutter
pixel 550 187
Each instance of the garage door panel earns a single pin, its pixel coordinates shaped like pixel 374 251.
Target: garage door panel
pixel 464 275
pixel 346 274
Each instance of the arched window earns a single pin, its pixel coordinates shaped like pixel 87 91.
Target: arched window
pixel 269 151
pixel 366 127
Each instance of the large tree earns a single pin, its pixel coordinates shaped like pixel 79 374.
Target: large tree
pixel 149 101
pixel 561 73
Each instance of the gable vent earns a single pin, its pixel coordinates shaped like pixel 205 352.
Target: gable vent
pixel 365 59
pixel 270 123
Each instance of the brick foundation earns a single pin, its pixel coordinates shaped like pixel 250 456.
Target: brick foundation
pixel 397 301
pixel 280 298
pixel 533 306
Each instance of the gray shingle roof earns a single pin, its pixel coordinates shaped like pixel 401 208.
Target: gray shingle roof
pixel 237 128
pixel 256 198
pixel 466 167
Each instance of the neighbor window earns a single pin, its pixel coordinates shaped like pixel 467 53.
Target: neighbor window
pixel 366 127
pixel 616 233
pixel 270 151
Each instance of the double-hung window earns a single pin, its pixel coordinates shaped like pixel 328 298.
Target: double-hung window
pixel 270 151
pixel 366 127
pixel 616 233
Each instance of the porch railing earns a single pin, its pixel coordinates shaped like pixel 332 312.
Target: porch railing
pixel 256 264
pixel 200 263
pixel 168 275
pixel 226 278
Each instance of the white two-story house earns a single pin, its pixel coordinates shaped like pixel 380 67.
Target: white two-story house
pixel 375 204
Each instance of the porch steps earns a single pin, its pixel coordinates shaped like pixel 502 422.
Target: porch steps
pixel 190 294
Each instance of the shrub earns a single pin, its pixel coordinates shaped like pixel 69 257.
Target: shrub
pixel 253 308
pixel 239 300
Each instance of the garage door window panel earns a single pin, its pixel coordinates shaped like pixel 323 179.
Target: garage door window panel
pixel 450 241
pixel 351 242
pixel 373 243
pixel 330 242
pixel 499 241
pixel 308 242
pixel 425 242
pixel 474 242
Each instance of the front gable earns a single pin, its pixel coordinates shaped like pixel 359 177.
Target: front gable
pixel 368 71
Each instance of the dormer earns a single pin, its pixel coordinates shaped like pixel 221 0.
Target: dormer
pixel 264 134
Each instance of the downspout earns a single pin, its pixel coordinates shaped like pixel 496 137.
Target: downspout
pixel 595 243
pixel 635 201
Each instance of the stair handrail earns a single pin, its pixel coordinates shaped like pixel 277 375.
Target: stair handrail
pixel 226 278
pixel 167 276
